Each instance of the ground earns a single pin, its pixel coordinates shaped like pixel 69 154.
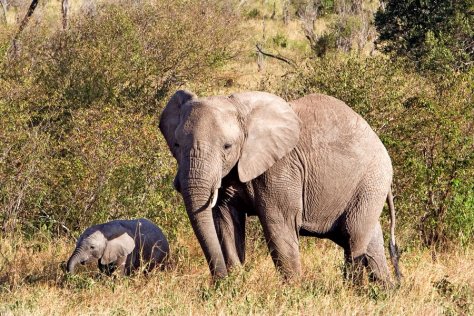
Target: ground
pixel 32 281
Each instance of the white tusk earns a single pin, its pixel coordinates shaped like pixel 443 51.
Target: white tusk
pixel 214 199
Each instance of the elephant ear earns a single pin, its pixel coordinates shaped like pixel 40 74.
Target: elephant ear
pixel 120 246
pixel 272 131
pixel 169 119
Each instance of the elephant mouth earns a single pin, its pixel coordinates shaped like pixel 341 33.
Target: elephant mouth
pixel 83 262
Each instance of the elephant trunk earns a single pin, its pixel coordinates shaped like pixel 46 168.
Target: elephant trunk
pixel 199 190
pixel 73 261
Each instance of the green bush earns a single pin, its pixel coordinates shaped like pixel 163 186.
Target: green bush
pixel 78 111
pixel 435 35
pixel 323 7
pixel 280 40
pixel 253 13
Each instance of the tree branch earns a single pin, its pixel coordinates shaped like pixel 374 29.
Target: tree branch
pixel 23 24
pixel 279 57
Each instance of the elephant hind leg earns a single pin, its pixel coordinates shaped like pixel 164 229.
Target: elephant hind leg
pixel 362 228
pixel 361 247
pixel 373 260
pixel 376 259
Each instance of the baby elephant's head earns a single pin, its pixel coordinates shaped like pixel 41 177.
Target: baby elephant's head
pixel 101 243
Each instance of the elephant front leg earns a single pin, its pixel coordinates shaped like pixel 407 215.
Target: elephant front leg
pixel 281 233
pixel 122 267
pixel 282 241
pixel 230 227
pixel 107 269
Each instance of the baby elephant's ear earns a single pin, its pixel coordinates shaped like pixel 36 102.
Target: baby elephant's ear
pixel 120 246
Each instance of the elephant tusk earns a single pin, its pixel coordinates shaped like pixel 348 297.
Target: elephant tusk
pixel 214 198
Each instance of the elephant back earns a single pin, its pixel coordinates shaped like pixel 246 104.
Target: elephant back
pixel 331 123
pixel 151 241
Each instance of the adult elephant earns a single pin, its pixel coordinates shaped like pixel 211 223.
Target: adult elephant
pixel 311 167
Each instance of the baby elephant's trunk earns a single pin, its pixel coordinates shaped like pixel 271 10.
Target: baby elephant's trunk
pixel 72 262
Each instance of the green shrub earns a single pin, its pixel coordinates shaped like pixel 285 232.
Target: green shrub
pixel 435 35
pixel 323 7
pixel 280 40
pixel 253 13
pixel 78 111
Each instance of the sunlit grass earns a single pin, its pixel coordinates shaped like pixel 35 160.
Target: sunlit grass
pixel 33 282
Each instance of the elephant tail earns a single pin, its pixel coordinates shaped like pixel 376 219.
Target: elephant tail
pixel 394 254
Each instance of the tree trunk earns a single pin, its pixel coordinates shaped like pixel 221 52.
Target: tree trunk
pixel 23 24
pixel 65 11
pixel 4 11
pixel 286 12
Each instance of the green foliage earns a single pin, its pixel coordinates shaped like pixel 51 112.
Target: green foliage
pixel 427 127
pixel 280 40
pixel 323 7
pixel 349 29
pixel 461 223
pixel 437 35
pixel 78 113
pixel 78 109
pixel 341 35
pixel 253 13
pixel 441 160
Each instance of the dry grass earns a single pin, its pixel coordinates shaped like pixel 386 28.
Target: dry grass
pixel 32 282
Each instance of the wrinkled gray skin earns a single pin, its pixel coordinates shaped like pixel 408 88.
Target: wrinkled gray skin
pixel 311 167
pixel 121 244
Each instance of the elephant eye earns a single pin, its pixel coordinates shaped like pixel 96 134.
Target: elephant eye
pixel 227 146
pixel 92 247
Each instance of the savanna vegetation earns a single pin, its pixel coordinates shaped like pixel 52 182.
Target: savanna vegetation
pixel 80 100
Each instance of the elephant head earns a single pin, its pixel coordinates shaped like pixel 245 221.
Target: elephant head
pixel 211 136
pixel 104 243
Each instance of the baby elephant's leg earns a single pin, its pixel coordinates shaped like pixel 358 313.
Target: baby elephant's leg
pixel 122 267
pixel 107 269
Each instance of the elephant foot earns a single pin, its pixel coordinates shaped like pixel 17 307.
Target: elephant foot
pixel 354 270
pixel 357 271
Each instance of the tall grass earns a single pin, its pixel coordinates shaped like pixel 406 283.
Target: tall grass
pixel 37 285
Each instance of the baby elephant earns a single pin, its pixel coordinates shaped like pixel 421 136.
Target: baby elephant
pixel 121 244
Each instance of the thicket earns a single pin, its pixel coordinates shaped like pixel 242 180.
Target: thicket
pixel 435 35
pixel 79 107
pixel 79 111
